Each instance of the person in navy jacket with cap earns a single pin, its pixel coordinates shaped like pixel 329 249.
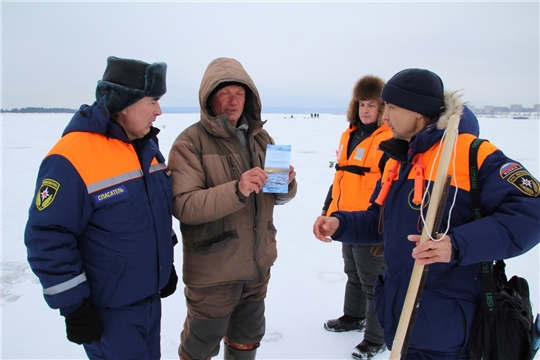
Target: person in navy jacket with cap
pixel 99 233
pixel 418 110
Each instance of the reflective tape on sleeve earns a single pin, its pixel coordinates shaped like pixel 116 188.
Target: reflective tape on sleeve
pixel 70 284
pixel 114 180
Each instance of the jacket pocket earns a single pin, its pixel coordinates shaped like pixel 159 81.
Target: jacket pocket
pixel 216 243
pixel 112 279
pixel 271 228
pixel 440 323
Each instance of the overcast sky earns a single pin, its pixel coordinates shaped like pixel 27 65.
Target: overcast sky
pixel 298 53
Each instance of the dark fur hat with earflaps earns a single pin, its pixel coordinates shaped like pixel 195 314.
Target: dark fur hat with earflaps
pixel 368 87
pixel 127 81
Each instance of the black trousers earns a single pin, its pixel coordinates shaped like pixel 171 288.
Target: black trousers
pixel 362 269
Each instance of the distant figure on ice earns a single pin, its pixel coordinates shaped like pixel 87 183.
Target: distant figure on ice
pixel 418 110
pixel 219 160
pixel 359 167
pixel 99 228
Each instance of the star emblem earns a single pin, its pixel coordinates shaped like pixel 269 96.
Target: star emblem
pixel 45 194
pixel 526 182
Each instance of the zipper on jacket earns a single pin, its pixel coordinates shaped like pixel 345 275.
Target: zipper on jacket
pixel 247 166
pixel 255 215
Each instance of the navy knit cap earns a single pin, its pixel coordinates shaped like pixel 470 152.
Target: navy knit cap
pixel 417 90
pixel 127 81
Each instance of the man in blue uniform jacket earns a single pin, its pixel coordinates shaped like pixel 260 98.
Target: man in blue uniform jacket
pixel 99 233
pixel 418 110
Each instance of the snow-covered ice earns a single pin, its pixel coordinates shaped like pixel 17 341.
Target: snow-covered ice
pixel 307 282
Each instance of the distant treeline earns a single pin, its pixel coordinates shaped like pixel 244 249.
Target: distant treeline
pixel 40 110
pixel 190 110
pixel 265 109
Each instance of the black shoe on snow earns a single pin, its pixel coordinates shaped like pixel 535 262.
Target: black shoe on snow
pixel 367 350
pixel 345 323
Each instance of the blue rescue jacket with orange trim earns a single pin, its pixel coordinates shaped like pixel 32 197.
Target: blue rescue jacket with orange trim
pixel 451 296
pixel 100 225
pixel 352 189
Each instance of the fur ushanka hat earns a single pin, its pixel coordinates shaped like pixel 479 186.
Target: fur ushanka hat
pixel 127 81
pixel 368 87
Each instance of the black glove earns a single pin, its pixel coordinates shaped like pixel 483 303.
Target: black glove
pixel 170 288
pixel 84 325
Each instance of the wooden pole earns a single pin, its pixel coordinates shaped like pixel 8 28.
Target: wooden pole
pixel 416 276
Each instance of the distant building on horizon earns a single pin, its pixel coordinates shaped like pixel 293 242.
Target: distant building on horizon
pixel 516 108
pixel 513 109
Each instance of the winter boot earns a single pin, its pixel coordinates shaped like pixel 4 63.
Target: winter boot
pixel 345 323
pixel 367 350
pixel 236 354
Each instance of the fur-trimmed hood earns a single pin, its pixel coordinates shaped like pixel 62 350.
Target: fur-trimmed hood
pixel 453 105
pixel 367 88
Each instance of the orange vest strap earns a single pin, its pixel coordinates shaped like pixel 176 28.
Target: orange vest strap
pixel 390 177
pixel 418 179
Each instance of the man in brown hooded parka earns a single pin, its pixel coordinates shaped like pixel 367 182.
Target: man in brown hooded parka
pixel 228 233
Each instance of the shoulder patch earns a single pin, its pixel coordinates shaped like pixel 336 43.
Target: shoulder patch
pixel 46 193
pixel 508 169
pixel 521 179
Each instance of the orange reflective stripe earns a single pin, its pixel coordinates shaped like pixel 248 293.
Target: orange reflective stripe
pixel 98 158
pixel 425 166
pixel 461 177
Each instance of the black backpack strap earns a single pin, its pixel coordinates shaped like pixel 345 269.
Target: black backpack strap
pixel 473 177
pixel 382 162
pixel 487 278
